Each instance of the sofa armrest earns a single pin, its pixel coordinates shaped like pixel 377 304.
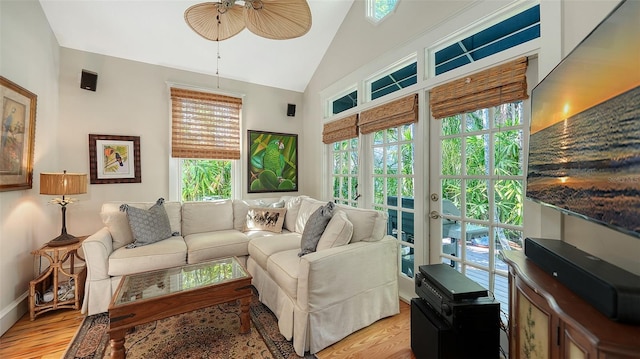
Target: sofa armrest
pixel 97 248
pixel 332 275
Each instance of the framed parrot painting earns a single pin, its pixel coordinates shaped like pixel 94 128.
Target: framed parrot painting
pixel 273 162
pixel 114 159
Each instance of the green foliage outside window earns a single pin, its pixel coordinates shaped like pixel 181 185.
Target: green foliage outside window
pixel 472 132
pixel 204 180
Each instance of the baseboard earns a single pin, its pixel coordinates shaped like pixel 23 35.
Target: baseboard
pixel 13 312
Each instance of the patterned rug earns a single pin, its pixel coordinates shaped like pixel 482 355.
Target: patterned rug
pixel 202 334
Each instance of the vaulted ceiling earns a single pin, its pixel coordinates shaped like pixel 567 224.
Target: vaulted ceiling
pixel 155 32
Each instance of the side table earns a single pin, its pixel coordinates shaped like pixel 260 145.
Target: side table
pixel 57 272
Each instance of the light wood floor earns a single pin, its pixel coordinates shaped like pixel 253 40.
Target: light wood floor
pixel 48 336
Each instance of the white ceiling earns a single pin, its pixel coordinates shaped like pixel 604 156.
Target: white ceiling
pixel 154 32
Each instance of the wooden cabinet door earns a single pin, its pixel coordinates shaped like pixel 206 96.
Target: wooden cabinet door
pixel 574 345
pixel 535 332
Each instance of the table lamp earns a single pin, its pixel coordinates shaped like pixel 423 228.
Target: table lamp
pixel 63 184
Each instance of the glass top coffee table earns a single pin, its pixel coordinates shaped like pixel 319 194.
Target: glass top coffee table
pixel 146 297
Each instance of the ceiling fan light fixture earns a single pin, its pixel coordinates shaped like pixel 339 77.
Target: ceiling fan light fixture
pixel 273 19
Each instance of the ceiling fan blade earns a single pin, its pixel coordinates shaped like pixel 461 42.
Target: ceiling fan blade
pixel 203 19
pixel 278 19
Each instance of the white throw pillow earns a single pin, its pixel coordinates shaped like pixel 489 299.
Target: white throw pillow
pixel 265 219
pixel 338 232
pixel 307 207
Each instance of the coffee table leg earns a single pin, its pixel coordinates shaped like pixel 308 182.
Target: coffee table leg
pixel 117 344
pixel 245 318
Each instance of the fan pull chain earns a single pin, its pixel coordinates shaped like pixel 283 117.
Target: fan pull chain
pixel 218 55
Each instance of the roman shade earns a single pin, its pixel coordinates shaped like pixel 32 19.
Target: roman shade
pixel 395 113
pixel 505 83
pixel 204 125
pixel 340 130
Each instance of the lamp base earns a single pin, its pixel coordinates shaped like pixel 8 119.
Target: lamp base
pixel 63 240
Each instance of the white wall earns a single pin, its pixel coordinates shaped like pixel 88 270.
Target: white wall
pixel 29 57
pixel 132 99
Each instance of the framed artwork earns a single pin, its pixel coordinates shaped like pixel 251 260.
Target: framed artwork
pixel 273 162
pixel 17 136
pixel 114 159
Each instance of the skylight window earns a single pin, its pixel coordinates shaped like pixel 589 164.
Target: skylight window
pixel 379 9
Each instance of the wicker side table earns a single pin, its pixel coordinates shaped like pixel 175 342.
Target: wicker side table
pixel 62 266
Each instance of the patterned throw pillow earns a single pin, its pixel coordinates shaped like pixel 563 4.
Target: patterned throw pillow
pixel 148 226
pixel 265 219
pixel 314 228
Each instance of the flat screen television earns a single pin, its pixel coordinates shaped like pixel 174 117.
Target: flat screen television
pixel 584 148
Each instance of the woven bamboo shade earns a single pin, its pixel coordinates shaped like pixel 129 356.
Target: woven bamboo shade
pixel 62 184
pixel 392 114
pixel 340 130
pixel 501 84
pixel 204 125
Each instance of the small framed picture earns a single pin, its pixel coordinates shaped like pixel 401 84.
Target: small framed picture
pixel 114 159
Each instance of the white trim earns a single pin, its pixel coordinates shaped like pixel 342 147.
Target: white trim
pixel 10 314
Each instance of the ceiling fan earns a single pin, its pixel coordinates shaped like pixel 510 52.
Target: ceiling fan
pixel 273 19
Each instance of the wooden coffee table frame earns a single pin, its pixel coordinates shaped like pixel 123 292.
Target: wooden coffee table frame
pixel 126 316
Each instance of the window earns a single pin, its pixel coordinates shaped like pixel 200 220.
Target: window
pixel 393 187
pixel 205 141
pixel 342 135
pixel 345 168
pixel 379 9
pixel 344 103
pixel 396 79
pixel 515 30
pixel 205 180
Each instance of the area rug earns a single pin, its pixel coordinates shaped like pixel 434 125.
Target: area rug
pixel 202 334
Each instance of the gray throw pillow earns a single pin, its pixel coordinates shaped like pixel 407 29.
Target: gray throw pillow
pixel 148 225
pixel 314 228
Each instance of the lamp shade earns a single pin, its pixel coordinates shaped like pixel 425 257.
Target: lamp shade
pixel 62 184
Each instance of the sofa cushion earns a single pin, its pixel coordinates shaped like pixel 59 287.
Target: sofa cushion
pixel 261 248
pixel 314 228
pixel 283 267
pixel 147 225
pixel 292 204
pixel 170 252
pixel 307 207
pixel 200 217
pixel 218 244
pixel 368 225
pixel 118 224
pixel 338 232
pixel 265 218
pixel 240 209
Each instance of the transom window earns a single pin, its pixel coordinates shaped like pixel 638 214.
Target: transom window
pixel 345 102
pixel 515 30
pixel 396 79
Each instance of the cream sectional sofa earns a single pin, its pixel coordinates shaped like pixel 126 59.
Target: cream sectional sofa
pixel 319 298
